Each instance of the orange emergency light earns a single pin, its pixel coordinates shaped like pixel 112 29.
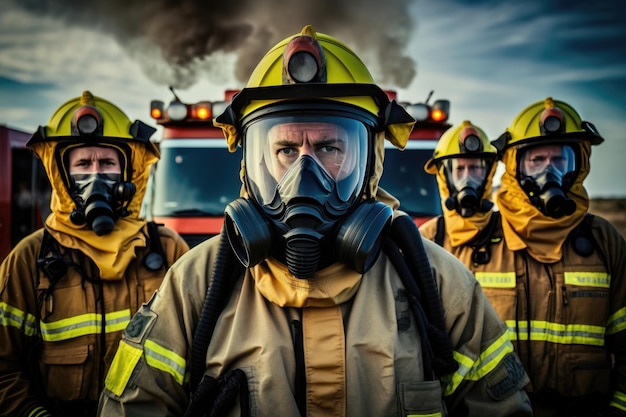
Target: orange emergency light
pixel 156 109
pixel 440 110
pixel 202 110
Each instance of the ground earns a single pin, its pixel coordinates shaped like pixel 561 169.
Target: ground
pixel 612 209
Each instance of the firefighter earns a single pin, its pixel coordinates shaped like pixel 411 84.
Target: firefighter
pixel 317 299
pixel 563 294
pixel 464 162
pixel 69 289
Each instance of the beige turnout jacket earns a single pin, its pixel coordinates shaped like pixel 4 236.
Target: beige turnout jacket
pixel 361 349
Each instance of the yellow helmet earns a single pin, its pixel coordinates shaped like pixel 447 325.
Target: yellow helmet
pixel 545 122
pixel 91 120
pixel 311 66
pixel 465 140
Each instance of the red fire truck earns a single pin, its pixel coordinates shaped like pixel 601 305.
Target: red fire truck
pixel 24 189
pixel 197 177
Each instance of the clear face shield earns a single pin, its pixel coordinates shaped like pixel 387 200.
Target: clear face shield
pixel 466 183
pixel 546 172
pixel 535 161
pixel 321 157
pixel 464 172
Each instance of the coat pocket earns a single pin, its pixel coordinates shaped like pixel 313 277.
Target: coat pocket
pixel 63 370
pixel 421 398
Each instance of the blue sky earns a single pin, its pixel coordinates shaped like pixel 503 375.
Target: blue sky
pixel 489 58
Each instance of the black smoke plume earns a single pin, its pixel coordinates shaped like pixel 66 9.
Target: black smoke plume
pixel 195 37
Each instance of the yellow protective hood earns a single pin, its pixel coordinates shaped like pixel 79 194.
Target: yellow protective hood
pixel 331 286
pixel 459 229
pixel 524 226
pixel 113 252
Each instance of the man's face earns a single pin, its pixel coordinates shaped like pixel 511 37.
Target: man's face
pixel 94 159
pixel 463 168
pixel 327 143
pixel 536 159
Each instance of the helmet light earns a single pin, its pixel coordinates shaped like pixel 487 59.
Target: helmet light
pixel 87 121
pixel 302 67
pixel 469 140
pixel 304 61
pixel 471 143
pixel 552 121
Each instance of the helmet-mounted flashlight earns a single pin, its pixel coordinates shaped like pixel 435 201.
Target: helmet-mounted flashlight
pixel 552 119
pixel 469 140
pixel 87 121
pixel 304 60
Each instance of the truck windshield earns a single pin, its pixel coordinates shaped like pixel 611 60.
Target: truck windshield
pixel 404 178
pixel 195 177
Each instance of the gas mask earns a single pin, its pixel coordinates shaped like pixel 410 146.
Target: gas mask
pixel 547 172
pixel 305 176
pixel 100 200
pixel 466 178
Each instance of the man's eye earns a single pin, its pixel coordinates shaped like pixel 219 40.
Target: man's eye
pixel 286 151
pixel 328 148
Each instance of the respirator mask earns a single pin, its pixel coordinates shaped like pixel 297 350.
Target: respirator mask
pixel 100 200
pixel 466 179
pixel 305 176
pixel 546 172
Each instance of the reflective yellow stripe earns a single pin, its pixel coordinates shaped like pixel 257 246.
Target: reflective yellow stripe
pixel 588 279
pixel 14 317
pixel 618 401
pixel 616 322
pixel 84 324
pixel 567 334
pixel 496 279
pixel 39 412
pixel 425 415
pixel 122 367
pixel 166 360
pixel 474 370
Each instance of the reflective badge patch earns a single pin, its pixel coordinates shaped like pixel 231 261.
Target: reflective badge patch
pixel 140 324
pixel 508 377
pixel 122 368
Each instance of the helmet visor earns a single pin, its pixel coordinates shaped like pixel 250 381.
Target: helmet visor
pixel 273 145
pixel 535 160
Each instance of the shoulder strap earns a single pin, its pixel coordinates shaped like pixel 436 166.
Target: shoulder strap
pixel 441 230
pixel 584 242
pixel 50 261
pixel 155 259
pixel 481 244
